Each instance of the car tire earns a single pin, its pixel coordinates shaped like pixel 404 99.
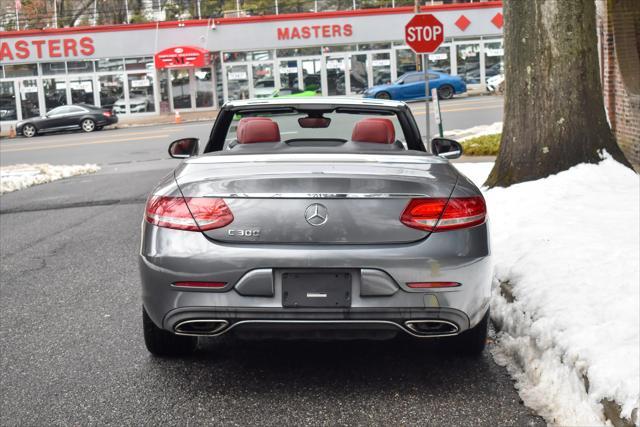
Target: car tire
pixel 163 343
pixel 88 125
pixel 29 130
pixel 445 92
pixel 383 95
pixel 473 341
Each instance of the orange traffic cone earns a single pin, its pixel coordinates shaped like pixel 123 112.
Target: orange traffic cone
pixel 12 132
pixel 178 119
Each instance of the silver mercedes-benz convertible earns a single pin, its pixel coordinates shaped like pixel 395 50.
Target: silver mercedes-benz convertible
pixel 315 218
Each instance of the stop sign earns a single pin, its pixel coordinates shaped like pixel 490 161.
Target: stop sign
pixel 424 33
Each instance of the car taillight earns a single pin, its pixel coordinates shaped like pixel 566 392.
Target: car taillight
pixel 188 213
pixel 439 214
pixel 106 113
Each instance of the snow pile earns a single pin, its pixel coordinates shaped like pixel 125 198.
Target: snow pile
pixel 464 134
pixel 17 177
pixel 567 249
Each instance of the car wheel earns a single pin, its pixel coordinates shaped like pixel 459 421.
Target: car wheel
pixel 163 343
pixel 29 130
pixel 383 95
pixel 473 341
pixel 445 92
pixel 88 125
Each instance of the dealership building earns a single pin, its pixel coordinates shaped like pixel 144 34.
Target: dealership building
pixel 161 67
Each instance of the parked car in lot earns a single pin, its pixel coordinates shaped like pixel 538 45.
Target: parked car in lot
pixel 410 86
pixel 67 117
pixel 347 227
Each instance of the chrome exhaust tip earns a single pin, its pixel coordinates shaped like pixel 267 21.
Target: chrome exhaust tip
pixel 432 328
pixel 201 327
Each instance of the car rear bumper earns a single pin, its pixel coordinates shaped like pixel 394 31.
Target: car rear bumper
pixel 380 298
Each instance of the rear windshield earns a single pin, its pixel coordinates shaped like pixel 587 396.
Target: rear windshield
pixel 340 127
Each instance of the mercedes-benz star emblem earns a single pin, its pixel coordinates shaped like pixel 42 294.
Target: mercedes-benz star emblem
pixel 316 214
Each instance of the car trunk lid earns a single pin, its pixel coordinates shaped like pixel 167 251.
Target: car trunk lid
pixel 316 199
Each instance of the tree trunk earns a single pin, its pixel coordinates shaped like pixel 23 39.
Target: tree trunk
pixel 554 110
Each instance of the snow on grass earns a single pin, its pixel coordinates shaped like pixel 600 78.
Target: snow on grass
pixel 17 177
pixel 464 134
pixel 568 246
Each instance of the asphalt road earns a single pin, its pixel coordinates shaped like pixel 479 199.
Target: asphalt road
pixel 149 143
pixel 71 347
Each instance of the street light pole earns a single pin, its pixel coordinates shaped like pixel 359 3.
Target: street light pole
pixel 198 5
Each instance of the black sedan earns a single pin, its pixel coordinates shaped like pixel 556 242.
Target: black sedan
pixel 67 117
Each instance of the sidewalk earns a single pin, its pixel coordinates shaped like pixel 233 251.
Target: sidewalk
pixel 164 118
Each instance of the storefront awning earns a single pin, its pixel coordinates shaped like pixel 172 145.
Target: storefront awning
pixel 183 56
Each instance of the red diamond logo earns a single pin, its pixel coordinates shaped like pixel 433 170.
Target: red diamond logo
pixel 497 20
pixel 462 22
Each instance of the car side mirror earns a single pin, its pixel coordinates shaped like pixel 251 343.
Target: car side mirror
pixel 446 148
pixel 184 148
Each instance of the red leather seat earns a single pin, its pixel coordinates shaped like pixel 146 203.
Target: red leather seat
pixel 257 129
pixel 377 130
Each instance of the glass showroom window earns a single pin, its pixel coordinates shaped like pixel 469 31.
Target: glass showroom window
pixel 29 104
pixel 237 82
pixel 358 75
pixel 381 66
pixel 264 85
pixel 440 60
pixel 405 61
pixel 112 92
pixel 141 99
pixel 180 88
pixel 493 59
pixel 53 68
pixel 8 109
pixel 204 87
pixel 81 88
pixel 288 69
pixel 109 64
pixel 21 70
pixel 55 92
pixel 468 56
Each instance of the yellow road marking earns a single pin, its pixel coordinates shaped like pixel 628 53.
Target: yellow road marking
pixel 43 144
pixel 422 113
pixel 444 107
pixel 103 141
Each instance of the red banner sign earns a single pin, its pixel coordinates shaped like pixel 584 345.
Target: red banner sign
pixel 183 56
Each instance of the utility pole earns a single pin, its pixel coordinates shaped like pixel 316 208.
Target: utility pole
pixel 55 13
pixel 198 4
pixel 126 9
pixel 95 12
pixel 416 10
pixel 276 7
pixel 18 6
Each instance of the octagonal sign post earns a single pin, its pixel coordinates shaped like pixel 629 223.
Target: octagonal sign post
pixel 424 34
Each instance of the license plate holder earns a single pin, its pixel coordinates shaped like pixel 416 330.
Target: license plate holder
pixel 316 290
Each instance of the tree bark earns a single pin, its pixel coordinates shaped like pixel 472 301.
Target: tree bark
pixel 554 108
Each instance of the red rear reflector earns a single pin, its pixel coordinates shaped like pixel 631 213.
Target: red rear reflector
pixel 188 213
pixel 440 214
pixel 215 285
pixel 432 285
